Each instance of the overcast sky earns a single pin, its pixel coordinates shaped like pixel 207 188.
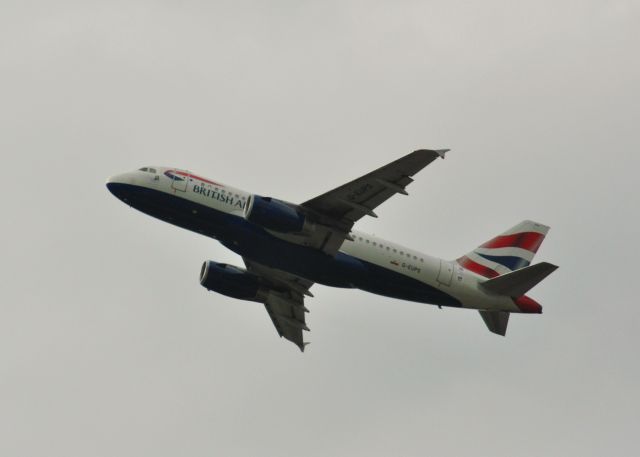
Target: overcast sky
pixel 110 347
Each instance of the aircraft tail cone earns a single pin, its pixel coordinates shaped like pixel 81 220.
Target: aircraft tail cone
pixel 528 305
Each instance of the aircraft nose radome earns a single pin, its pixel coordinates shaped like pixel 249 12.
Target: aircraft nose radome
pixel 117 185
pixel 114 188
pixel 113 180
pixel 112 184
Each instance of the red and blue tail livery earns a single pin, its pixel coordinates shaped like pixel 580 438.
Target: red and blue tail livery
pixel 512 250
pixel 288 247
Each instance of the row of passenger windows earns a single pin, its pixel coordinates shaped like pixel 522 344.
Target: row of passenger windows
pixel 388 248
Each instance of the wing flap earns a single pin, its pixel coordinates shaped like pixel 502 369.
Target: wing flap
pixel 284 301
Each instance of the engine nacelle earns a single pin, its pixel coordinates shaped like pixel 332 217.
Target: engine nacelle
pixel 275 215
pixel 229 280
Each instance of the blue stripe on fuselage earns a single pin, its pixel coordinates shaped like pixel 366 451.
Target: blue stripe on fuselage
pixel 255 243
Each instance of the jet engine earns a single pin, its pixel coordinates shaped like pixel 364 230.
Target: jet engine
pixel 229 280
pixel 275 215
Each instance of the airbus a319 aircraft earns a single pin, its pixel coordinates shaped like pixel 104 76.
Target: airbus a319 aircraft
pixel 287 247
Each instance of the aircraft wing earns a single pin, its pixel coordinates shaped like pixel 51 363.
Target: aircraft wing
pixel 285 301
pixel 343 206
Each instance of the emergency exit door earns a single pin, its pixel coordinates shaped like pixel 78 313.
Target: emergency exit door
pixel 446 272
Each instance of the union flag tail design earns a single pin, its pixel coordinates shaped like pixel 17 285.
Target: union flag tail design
pixel 510 251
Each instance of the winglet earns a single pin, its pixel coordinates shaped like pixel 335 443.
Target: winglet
pixel 439 152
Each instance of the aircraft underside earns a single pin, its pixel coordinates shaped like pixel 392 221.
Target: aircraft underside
pixel 255 243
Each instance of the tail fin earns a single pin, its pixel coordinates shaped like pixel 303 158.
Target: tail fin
pixel 510 251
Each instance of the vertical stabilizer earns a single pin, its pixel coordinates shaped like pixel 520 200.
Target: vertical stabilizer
pixel 510 251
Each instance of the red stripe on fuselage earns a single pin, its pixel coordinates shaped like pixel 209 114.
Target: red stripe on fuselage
pixel 197 178
pixel 470 265
pixel 530 241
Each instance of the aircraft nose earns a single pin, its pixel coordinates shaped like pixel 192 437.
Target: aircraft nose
pixel 117 185
pixel 113 181
pixel 122 178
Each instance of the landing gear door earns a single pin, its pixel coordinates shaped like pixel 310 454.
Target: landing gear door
pixel 446 272
pixel 179 180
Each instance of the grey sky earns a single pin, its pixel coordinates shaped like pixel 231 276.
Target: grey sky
pixel 108 344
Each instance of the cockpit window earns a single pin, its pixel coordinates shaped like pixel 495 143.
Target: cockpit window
pixel 152 170
pixel 148 170
pixel 144 169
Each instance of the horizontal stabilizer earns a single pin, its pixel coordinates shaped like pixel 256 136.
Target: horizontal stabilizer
pixel 496 321
pixel 517 283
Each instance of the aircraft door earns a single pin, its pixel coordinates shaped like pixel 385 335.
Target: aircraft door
pixel 179 180
pixel 446 272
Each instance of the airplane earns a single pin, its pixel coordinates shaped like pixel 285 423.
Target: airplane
pixel 287 247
